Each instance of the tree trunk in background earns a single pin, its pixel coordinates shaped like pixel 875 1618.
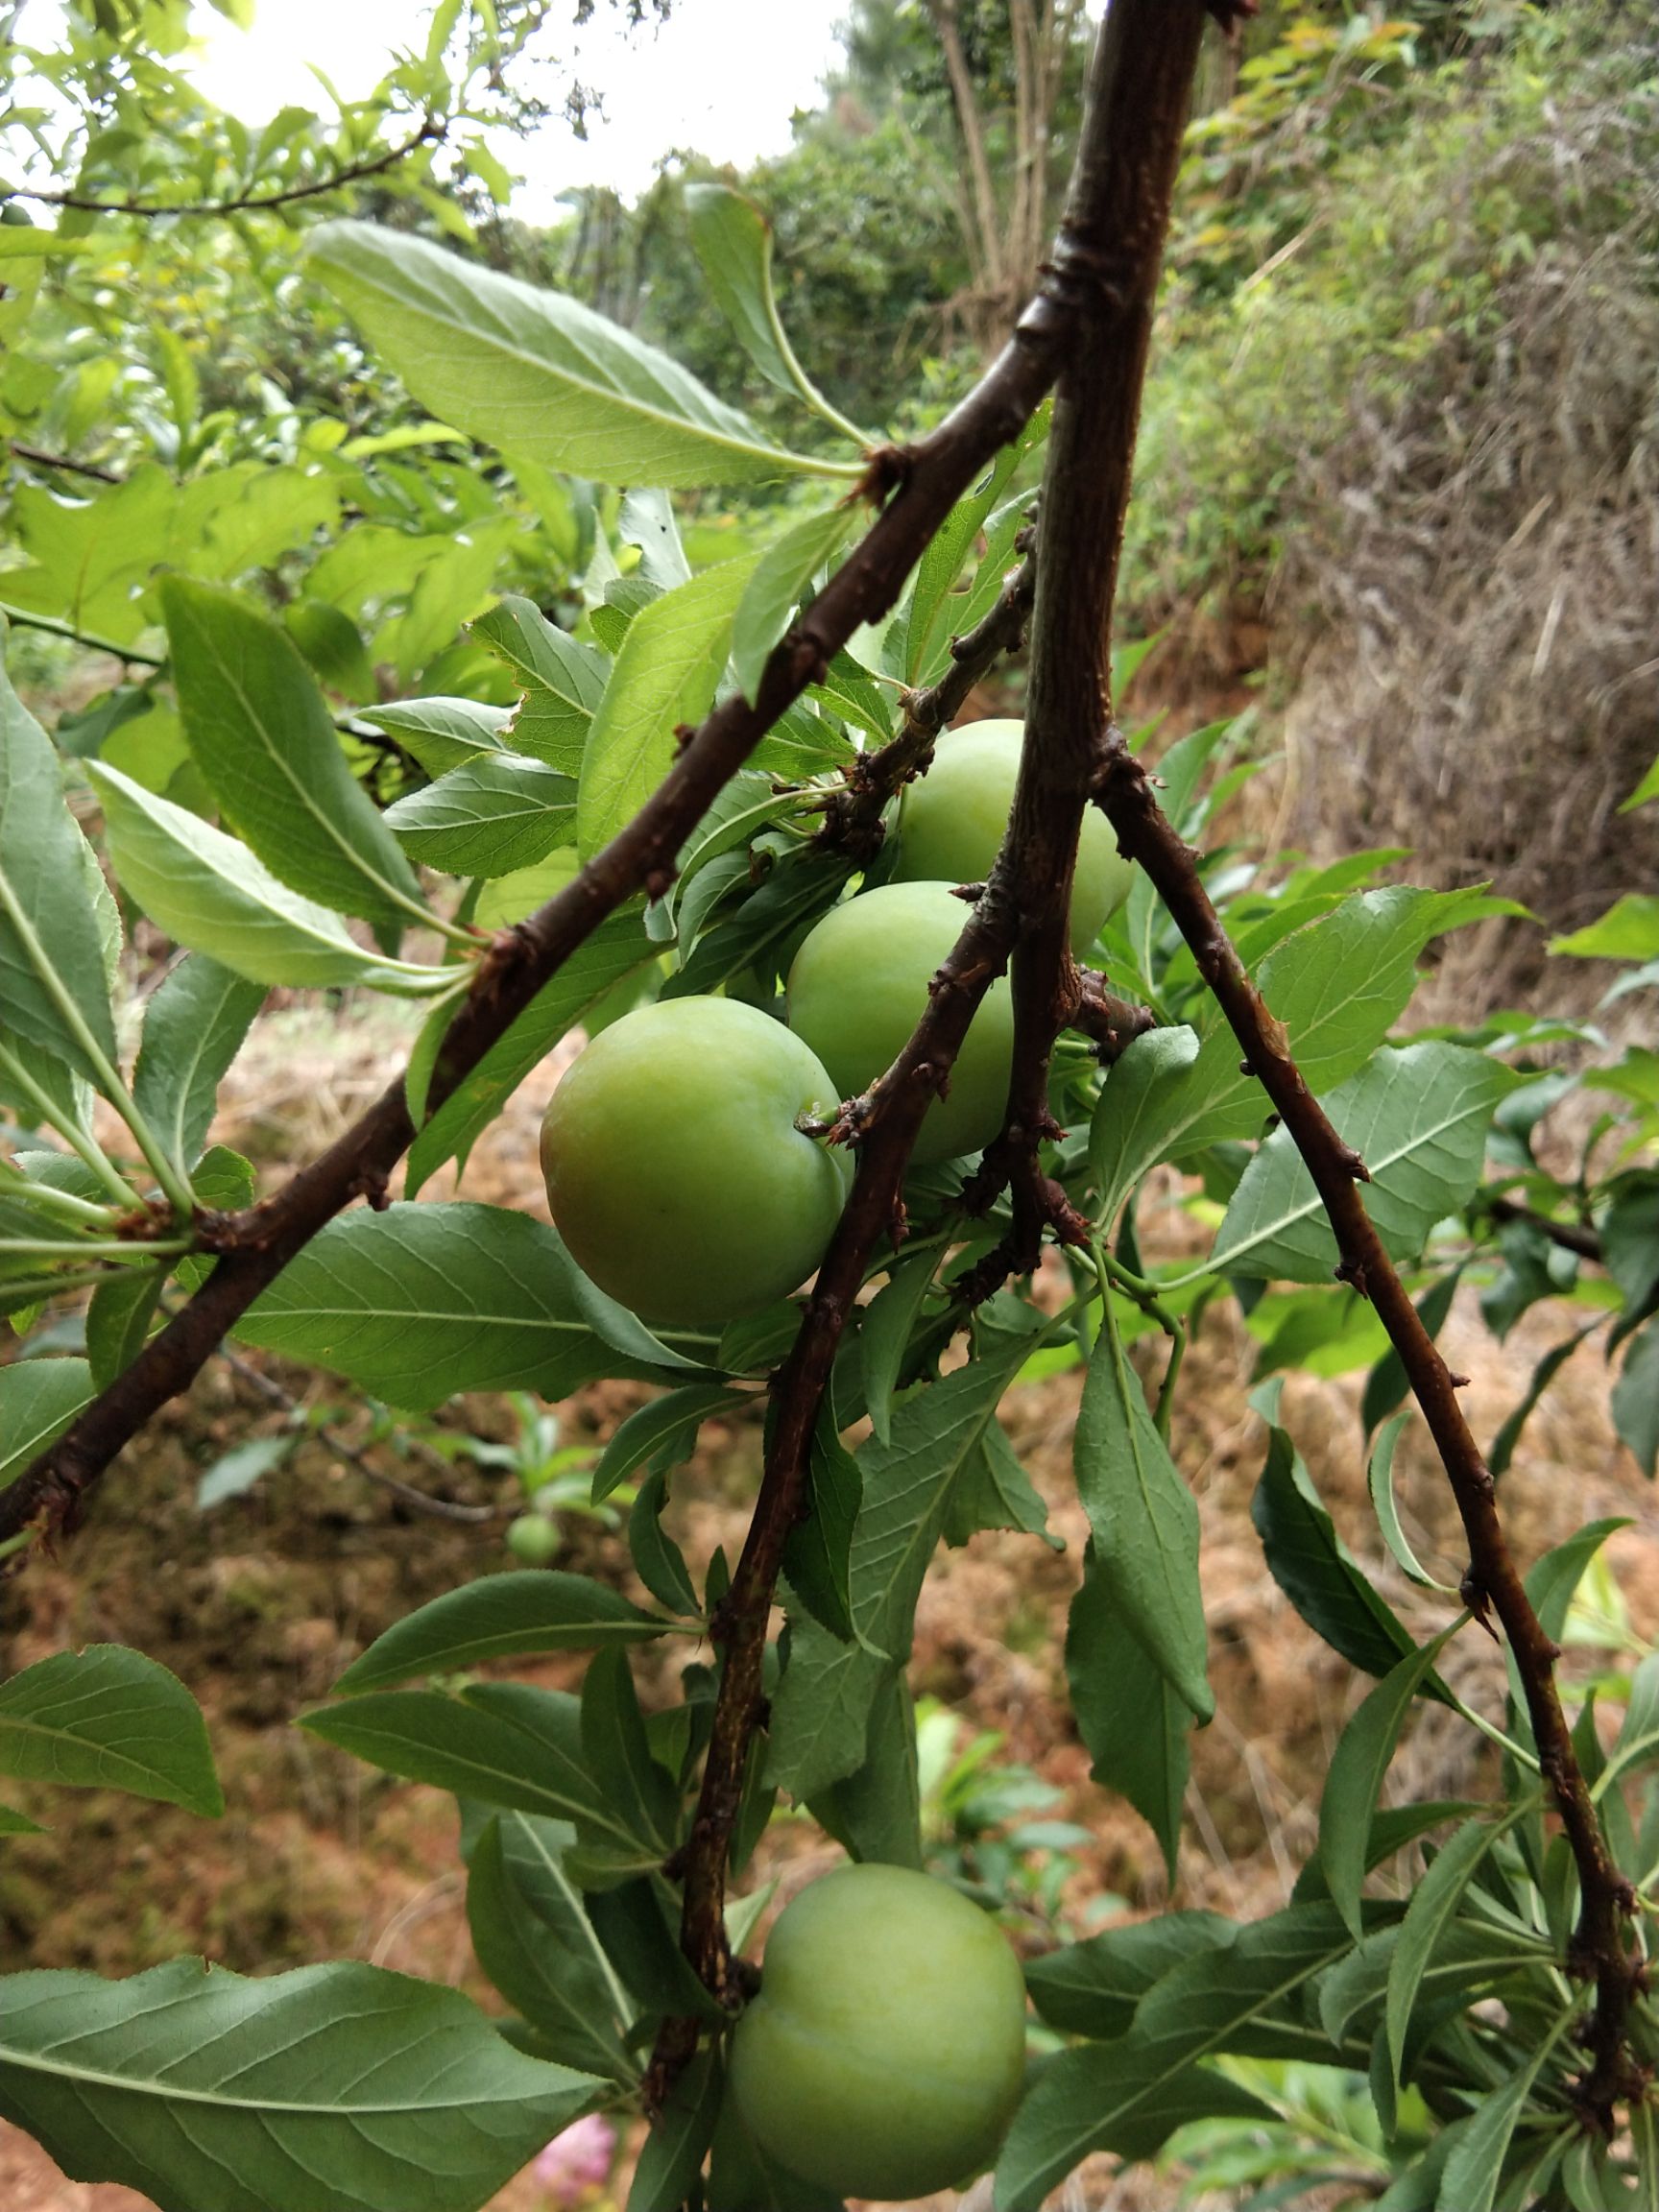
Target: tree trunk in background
pixel 1006 237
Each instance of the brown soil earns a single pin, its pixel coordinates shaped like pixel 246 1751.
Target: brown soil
pixel 258 1604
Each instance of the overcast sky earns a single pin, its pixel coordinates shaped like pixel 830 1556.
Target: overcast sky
pixel 722 76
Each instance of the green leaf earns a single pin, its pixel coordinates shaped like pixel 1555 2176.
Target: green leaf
pixel 118 1317
pixel 615 951
pixel 1644 793
pixel 1338 986
pixel 1315 1569
pixel 415 1302
pixel 1133 1720
pixel 773 592
pixel 673 2152
pixel 1635 1399
pixel 661 1433
pixel 237 1472
pixel 194 1025
pixel 1130 2095
pixel 885 1335
pixel 209 891
pixel 1552 1579
pixel 1628 931
pixel 108 1718
pixel 924 621
pixel 817 1551
pixel 534 1939
pixel 337 2088
pixel 1092 1988
pixel 1354 1776
pixel 441 733
pixel 494 814
pixel 658 1560
pixel 1502 1452
pixel 821 1714
pixel 995 1491
pixel 1379 1479
pixel 501 1617
pixel 535 373
pixel 1431 1909
pixel 51 949
pixel 875 1812
pixel 502 1743
pixel 1144 1521
pixel 38 1399
pixel 665 675
pixel 564 682
pixel 261 734
pixel 1418 1117
pixel 1479 2163
pixel 636 1790
pixel 732 241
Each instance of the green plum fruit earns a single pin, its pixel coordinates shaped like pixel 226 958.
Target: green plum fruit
pixel 859 986
pixel 534 1540
pixel 676 1171
pixel 952 822
pixel 886 2052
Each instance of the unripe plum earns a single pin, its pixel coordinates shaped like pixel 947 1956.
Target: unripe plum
pixel 884 2055
pixel 952 822
pixel 534 1540
pixel 859 986
pixel 676 1173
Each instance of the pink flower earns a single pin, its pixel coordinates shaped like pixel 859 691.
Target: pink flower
pixel 576 2165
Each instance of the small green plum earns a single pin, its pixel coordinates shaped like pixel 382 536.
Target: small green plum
pixel 534 1540
pixel 677 1172
pixel 859 986
pixel 952 822
pixel 886 2052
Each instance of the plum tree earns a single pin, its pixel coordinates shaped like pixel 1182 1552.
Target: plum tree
pixel 884 2055
pixel 859 986
pixel 952 823
pixel 676 1170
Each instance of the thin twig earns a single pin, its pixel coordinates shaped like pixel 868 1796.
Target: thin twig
pixel 853 818
pixel 1112 228
pixel 21 618
pixel 1570 1236
pixel 43 460
pixel 431 132
pixel 1493 1582
pixel 423 1500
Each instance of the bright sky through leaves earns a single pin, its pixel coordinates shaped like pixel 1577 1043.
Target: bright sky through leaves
pixel 720 75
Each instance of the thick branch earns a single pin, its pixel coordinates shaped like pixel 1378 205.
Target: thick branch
pixel 1493 1581
pixel 1116 217
pixel 256 1246
pixel 431 132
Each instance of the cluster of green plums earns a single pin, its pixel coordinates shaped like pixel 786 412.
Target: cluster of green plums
pixel 683 1152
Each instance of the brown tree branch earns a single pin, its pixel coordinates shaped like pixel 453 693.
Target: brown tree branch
pixel 255 1246
pixel 42 459
pixel 853 818
pixel 1493 1581
pixel 1570 1236
pixel 431 132
pixel 1116 218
